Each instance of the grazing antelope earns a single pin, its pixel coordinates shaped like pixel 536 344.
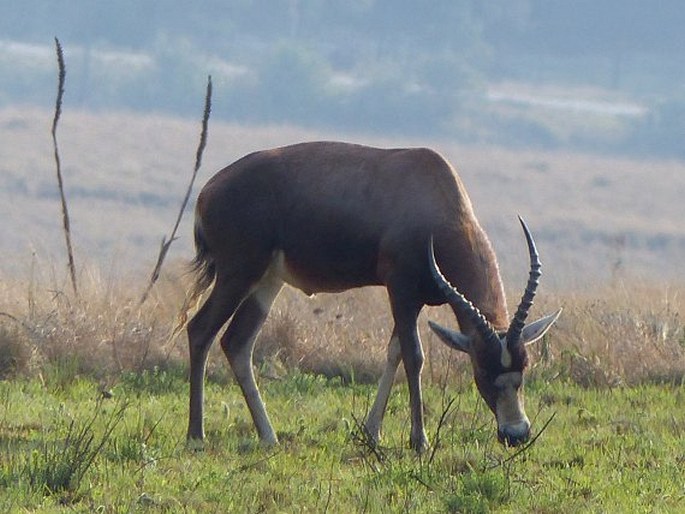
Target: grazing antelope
pixel 328 216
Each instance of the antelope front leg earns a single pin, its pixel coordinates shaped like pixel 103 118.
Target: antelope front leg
pixel 412 355
pixel 375 418
pixel 406 312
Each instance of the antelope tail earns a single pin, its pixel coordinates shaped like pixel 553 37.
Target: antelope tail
pixel 202 265
pixel 204 269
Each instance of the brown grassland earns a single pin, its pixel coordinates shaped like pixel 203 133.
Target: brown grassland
pixel 610 231
pixel 606 338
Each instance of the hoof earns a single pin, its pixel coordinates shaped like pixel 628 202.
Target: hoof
pixel 372 436
pixel 420 444
pixel 268 443
pixel 195 445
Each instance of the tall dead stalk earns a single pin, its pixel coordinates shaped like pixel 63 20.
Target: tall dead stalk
pixel 60 182
pixel 166 243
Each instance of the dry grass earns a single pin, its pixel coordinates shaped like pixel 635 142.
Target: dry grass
pixel 101 333
pixel 617 335
pixel 609 337
pixel 625 334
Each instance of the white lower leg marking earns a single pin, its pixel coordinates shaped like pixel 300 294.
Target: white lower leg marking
pixel 242 368
pixel 264 293
pixel 375 417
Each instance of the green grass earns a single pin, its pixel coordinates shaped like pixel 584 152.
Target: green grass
pixel 605 450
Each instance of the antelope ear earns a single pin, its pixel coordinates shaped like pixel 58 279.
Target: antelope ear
pixel 535 330
pixel 451 338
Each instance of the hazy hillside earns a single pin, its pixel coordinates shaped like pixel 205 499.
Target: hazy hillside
pixel 125 175
pixel 461 69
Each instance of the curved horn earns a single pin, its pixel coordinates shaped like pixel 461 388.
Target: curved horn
pixel 459 302
pixel 519 319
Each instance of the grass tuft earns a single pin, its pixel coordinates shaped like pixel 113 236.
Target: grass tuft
pixel 478 492
pixel 15 354
pixel 64 455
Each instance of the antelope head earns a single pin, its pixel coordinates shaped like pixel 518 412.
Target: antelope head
pixel 499 358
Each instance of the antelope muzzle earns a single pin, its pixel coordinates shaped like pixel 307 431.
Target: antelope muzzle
pixel 514 434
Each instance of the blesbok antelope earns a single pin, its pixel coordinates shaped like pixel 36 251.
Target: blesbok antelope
pixel 328 216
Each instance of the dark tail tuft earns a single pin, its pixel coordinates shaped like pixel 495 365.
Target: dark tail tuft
pixel 204 269
pixel 203 265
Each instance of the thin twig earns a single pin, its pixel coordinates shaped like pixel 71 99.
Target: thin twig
pixel 329 495
pixel 251 465
pixel 18 321
pixel 441 422
pixel 527 446
pixel 364 440
pixel 166 243
pixel 60 182
pixel 421 481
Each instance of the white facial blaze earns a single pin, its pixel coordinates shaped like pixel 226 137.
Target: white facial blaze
pixel 505 355
pixel 509 406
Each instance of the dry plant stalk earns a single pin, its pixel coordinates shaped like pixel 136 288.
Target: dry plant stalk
pixel 60 182
pixel 166 243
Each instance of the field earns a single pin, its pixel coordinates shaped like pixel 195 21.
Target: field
pixel 93 396
pixel 66 450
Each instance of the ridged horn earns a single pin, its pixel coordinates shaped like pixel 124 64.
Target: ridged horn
pixel 519 319
pixel 459 302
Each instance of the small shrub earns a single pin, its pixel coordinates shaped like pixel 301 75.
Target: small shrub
pixel 59 372
pixel 15 353
pixel 59 465
pixel 100 334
